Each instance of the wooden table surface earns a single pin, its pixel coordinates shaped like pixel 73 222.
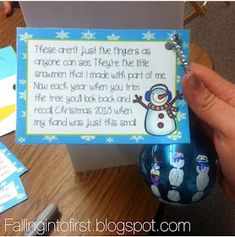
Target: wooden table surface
pixel 115 194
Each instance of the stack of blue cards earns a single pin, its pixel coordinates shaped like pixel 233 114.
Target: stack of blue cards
pixel 7 90
pixel 11 189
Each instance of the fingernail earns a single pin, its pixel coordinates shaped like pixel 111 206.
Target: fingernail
pixel 194 83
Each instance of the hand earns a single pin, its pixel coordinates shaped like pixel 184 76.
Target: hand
pixel 212 99
pixel 8 8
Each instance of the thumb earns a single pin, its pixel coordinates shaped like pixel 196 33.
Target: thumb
pixel 206 105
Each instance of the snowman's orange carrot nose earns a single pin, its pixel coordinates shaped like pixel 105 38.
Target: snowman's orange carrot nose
pixel 6 111
pixel 160 97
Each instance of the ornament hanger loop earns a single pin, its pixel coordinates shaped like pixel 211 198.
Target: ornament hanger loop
pixel 175 44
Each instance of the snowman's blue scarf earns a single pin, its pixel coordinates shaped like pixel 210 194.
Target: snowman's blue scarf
pixel 167 106
pixel 202 165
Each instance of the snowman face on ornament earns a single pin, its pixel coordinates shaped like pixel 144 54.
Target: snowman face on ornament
pixel 202 164
pixel 178 160
pixel 155 167
pixel 158 95
pixel 156 164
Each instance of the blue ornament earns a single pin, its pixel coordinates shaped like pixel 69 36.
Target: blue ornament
pixel 180 173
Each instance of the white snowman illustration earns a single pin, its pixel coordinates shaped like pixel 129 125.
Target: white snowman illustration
pixel 176 176
pixel 155 177
pixel 155 190
pixel 160 115
pixel 202 179
pixel 173 195
pixel 197 196
pixel 202 168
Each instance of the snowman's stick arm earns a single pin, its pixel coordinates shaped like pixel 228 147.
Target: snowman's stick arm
pixel 178 96
pixel 139 100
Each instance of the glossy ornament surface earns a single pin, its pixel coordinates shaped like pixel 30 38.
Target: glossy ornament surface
pixel 180 173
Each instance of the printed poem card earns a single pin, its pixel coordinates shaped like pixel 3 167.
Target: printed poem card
pixel 100 87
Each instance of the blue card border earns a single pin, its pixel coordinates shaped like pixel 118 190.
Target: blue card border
pixel 19 166
pixel 7 62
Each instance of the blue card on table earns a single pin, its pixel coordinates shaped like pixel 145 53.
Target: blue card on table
pixel 7 90
pixel 9 164
pixel 11 192
pixel 93 86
